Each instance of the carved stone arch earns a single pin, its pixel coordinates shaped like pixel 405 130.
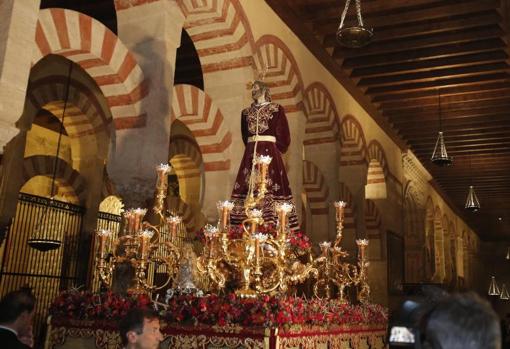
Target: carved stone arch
pixel 86 122
pixel 448 260
pixel 373 226
pixel 439 245
pixel 283 75
pixel 429 245
pixel 414 235
pixel 316 193
pixel 322 125
pixel 207 20
pixel 40 165
pixel 353 144
pixel 101 54
pixel 195 109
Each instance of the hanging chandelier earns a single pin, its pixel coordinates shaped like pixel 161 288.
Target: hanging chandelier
pixel 472 203
pixel 493 287
pixel 354 36
pixel 504 293
pixel 43 238
pixel 440 156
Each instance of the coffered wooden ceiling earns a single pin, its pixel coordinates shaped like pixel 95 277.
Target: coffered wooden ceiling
pixel 422 49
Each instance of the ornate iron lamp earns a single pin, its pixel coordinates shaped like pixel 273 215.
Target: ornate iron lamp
pixel 440 156
pixel 493 287
pixel 41 239
pixel 355 36
pixel 472 203
pixel 504 293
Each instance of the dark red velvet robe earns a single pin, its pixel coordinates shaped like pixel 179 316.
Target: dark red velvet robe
pixel 272 122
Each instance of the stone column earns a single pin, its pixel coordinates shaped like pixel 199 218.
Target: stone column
pixel 17 32
pixel 152 32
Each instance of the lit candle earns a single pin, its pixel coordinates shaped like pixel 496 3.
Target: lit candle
pixel 362 244
pixel 162 171
pixel 282 210
pixel 256 216
pixel 325 245
pixel 102 235
pixel 259 238
pixel 264 161
pixel 173 222
pixel 224 208
pixel 145 236
pixel 139 214
pixel 340 209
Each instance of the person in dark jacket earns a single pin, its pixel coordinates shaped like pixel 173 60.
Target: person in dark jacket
pixel 16 315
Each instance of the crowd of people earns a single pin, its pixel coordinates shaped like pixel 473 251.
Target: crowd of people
pixel 456 321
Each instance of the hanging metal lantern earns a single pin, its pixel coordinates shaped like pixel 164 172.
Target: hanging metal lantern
pixel 507 254
pixel 355 36
pixel 440 156
pixel 472 203
pixel 493 287
pixel 44 238
pixel 504 293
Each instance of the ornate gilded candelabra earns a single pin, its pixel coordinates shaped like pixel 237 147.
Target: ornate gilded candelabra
pixel 262 262
pixel 333 270
pixel 143 246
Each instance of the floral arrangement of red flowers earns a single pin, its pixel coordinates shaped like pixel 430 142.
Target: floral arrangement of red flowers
pixel 222 310
pixel 270 311
pixel 85 305
pixel 298 240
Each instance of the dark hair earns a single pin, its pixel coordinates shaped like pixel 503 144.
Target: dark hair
pixel 15 303
pixel 461 321
pixel 133 321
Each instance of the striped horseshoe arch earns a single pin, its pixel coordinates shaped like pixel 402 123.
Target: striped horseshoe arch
pixel 283 75
pixel 206 21
pixel 86 117
pixel 316 189
pixel 322 123
pixel 41 165
pixel 197 111
pixel 353 144
pixel 101 54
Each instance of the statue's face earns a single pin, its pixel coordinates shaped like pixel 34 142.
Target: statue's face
pixel 256 91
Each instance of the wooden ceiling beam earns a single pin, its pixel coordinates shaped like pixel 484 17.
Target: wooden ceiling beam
pixel 451 91
pixel 440 83
pixel 462 110
pixel 434 75
pixel 421 54
pixel 422 42
pixel 431 64
pixel 453 117
pixel 448 102
pixel 403 12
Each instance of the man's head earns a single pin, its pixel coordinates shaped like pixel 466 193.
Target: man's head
pixel 140 329
pixel 461 321
pixel 17 310
pixel 260 89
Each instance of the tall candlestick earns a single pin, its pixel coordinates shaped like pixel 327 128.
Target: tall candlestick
pixel 161 187
pixel 102 235
pixel 362 245
pixel 173 222
pixel 283 210
pixel 145 237
pixel 224 209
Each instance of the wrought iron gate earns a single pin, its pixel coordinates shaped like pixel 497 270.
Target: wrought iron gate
pixel 46 273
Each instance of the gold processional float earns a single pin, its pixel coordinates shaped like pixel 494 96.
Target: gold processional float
pixel 254 264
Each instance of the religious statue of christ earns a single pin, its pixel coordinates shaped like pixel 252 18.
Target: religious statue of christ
pixel 265 131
